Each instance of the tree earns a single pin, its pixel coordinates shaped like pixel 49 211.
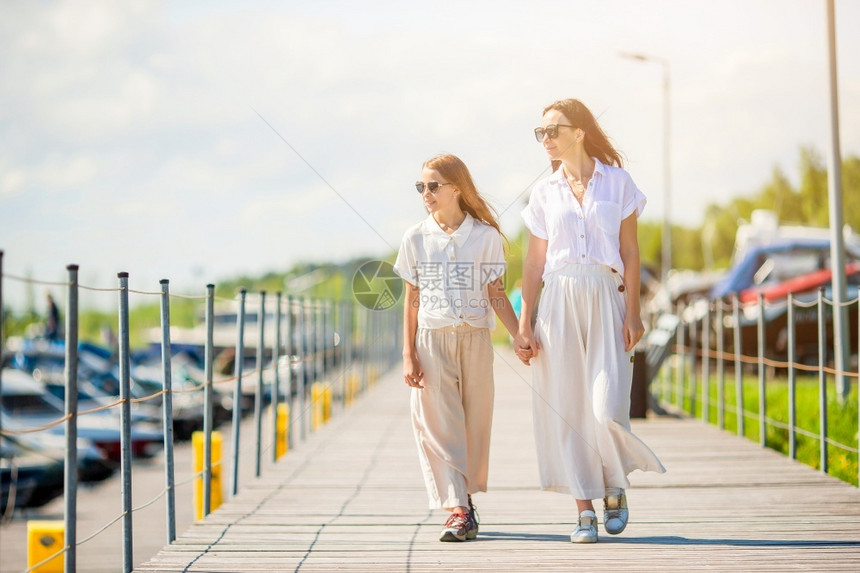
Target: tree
pixel 806 205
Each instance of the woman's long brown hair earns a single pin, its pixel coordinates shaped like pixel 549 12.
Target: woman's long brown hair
pixel 596 142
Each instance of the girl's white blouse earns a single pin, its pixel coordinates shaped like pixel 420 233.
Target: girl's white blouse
pixel 452 271
pixel 586 234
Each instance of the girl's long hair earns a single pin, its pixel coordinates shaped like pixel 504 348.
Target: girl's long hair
pixel 455 171
pixel 596 142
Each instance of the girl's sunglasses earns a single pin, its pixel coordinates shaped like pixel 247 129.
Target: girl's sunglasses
pixel 433 186
pixel 551 131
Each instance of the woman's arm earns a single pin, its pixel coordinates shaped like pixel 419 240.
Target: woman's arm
pixel 412 371
pixel 633 328
pixel 533 267
pixel 500 303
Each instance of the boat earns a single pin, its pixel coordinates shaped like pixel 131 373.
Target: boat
pixel 25 404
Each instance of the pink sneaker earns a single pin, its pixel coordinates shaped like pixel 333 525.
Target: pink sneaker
pixel 459 527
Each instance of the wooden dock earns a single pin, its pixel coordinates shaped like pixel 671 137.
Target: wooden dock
pixel 351 499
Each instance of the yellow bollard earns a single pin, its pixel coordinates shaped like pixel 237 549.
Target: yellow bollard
pixel 45 538
pixel 348 390
pixel 316 405
pixel 326 403
pixel 354 386
pixel 215 481
pixel 282 445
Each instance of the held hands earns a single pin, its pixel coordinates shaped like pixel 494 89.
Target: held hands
pixel 413 374
pixel 525 345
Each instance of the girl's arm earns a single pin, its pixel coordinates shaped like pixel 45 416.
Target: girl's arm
pixel 633 328
pixel 412 371
pixel 502 305
pixel 533 267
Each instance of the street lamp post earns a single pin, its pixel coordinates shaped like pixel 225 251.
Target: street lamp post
pixel 837 246
pixel 666 253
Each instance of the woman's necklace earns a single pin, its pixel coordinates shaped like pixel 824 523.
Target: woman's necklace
pixel 578 186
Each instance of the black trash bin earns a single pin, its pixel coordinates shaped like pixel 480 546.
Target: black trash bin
pixel 639 389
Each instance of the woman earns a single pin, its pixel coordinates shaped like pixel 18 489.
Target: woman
pixel 452 263
pixel 583 245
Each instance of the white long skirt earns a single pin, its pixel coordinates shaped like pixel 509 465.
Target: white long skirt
pixel 582 380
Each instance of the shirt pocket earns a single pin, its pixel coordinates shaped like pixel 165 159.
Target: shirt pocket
pixel 608 217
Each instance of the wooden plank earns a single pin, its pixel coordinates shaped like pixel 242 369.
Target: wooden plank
pixel 352 499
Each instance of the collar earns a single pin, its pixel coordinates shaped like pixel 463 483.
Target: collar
pixel 432 228
pixel 599 168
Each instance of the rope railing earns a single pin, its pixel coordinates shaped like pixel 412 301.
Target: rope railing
pixel 101 408
pixel 732 409
pixel 149 398
pixel 31 281
pixel 42 428
pixel 97 289
pixel 734 333
pixel 746 359
pixel 364 345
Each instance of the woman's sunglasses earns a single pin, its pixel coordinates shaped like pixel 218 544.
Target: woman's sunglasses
pixel 433 186
pixel 551 131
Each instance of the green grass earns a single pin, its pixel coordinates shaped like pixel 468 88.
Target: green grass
pixel 841 415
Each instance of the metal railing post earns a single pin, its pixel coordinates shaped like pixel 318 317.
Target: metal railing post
pixel 822 382
pixel 292 379
pixel 167 412
pixel 258 394
pixel 125 422
pixel 377 342
pixel 313 309
pixel 739 371
pixel 276 382
pixel 324 334
pixel 332 313
pixel 680 370
pixel 303 367
pixel 694 360
pixel 721 367
pixel 70 470
pixel 319 341
pixel 366 348
pixel 762 397
pixel 344 353
pixel 238 367
pixel 706 365
pixel 792 381
pixel 208 356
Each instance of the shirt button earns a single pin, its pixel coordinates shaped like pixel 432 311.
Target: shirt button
pixel 583 256
pixel 582 236
pixel 621 288
pixel 580 216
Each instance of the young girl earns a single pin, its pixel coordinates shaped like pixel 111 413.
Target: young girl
pixel 583 246
pixel 452 263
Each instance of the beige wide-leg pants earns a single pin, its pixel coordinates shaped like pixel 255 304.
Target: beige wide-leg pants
pixel 582 380
pixel 453 413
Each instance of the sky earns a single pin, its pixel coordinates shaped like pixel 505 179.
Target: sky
pixel 198 141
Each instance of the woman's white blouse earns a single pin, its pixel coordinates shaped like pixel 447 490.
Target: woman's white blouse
pixel 452 271
pixel 586 234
